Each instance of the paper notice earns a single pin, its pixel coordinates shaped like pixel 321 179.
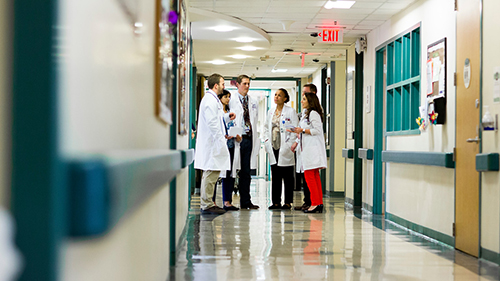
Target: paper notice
pixel 233 131
pixel 429 77
pixel 436 69
pixel 441 82
pixel 496 85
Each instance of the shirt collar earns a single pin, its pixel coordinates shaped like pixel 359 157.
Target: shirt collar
pixel 242 97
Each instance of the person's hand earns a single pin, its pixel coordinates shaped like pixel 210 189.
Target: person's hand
pixel 296 130
pixel 232 115
pixel 294 146
pixel 238 138
pixel 228 137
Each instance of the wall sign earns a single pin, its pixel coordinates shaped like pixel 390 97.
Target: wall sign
pixel 467 73
pixel 331 35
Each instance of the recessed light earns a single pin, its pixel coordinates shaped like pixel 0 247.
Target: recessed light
pixel 218 62
pixel 279 70
pixel 224 28
pixel 339 4
pixel 248 48
pixel 239 56
pixel 244 40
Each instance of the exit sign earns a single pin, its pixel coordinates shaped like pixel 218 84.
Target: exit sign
pixel 331 35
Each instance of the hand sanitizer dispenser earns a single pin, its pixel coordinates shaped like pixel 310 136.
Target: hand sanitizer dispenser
pixel 488 121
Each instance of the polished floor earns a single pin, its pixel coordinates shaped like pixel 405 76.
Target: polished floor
pixel 340 244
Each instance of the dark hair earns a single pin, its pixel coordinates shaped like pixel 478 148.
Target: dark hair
pixel 287 96
pixel 224 93
pixel 312 88
pixel 241 77
pixel 313 102
pixel 213 80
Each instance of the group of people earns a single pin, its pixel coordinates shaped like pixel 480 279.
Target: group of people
pixel 289 141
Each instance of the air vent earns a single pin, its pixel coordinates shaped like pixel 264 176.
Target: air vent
pixel 267 57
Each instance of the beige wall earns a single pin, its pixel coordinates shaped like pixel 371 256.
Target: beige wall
pixel 339 119
pixel 490 181
pixel 431 189
pixel 349 142
pixel 5 78
pixel 107 103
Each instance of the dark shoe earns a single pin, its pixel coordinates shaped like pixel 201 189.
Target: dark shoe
pixel 250 206
pixel 275 207
pixel 302 208
pixel 318 209
pixel 286 207
pixel 214 210
pixel 230 208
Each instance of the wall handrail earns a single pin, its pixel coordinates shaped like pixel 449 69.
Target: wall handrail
pixel 441 159
pixel 486 162
pixel 106 186
pixel 365 153
pixel 348 153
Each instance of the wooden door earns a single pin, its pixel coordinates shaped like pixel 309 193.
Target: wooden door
pixel 467 127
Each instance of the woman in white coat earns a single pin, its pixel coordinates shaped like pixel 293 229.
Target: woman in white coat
pixel 278 142
pixel 312 148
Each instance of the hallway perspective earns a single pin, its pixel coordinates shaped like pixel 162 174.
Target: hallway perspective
pixel 341 244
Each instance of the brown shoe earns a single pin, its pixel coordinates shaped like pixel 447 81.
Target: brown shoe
pixel 250 206
pixel 214 210
pixel 302 208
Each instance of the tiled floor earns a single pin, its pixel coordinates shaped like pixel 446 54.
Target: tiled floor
pixel 337 245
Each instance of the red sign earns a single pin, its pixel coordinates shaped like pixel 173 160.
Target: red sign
pixel 331 35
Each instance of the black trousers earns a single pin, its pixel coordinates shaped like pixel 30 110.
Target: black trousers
pixel 244 174
pixel 280 175
pixel 302 181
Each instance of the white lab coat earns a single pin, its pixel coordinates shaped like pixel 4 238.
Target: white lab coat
pixel 288 117
pixel 311 148
pixel 253 110
pixel 211 148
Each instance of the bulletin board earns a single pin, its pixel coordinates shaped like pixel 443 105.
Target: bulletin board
pixel 436 80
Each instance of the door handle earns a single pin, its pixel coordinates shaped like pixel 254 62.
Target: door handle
pixel 476 140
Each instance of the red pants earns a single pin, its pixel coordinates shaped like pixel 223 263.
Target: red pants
pixel 314 183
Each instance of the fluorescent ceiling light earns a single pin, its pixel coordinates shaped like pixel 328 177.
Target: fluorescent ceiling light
pixel 218 62
pixel 224 28
pixel 279 70
pixel 248 48
pixel 244 40
pixel 239 56
pixel 339 4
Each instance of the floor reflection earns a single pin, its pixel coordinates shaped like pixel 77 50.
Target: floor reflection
pixel 341 244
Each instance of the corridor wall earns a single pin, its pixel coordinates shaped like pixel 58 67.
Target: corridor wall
pixel 349 111
pixel 490 196
pixel 5 93
pixel 423 195
pixel 107 98
pixel 339 119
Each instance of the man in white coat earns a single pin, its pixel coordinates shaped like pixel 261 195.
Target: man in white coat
pixel 246 151
pixel 212 154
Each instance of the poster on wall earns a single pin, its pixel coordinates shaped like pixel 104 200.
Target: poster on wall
pixel 166 19
pixel 436 81
pixel 350 106
pixel 183 70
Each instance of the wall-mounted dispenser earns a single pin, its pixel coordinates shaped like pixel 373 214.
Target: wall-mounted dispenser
pixel 489 123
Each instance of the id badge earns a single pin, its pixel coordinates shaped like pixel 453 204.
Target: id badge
pixel 247 129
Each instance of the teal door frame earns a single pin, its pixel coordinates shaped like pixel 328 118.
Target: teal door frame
pixel 378 134
pixel 173 144
pixel 38 195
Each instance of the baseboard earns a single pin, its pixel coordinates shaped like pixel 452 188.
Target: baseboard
pixel 367 207
pixel 490 256
pixel 441 237
pixel 336 194
pixel 349 201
